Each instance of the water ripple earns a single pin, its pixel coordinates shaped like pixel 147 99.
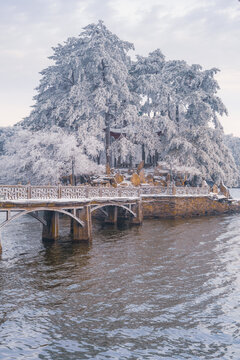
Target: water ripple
pixel 167 290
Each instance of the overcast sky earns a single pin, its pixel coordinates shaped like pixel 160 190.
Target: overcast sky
pixel 206 32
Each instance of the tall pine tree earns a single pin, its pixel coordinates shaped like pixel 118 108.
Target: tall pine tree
pixel 87 87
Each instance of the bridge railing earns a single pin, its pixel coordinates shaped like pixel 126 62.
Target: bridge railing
pixel 13 192
pixel 192 190
pixel 28 192
pixel 155 190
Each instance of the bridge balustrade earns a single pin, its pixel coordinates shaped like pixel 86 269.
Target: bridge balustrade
pixel 24 192
pixel 152 190
pixel 13 192
pixel 72 192
pixel 40 192
pixel 192 190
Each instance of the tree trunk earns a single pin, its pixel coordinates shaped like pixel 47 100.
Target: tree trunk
pixel 148 105
pixel 107 135
pixel 169 113
pixel 130 162
pixel 143 153
pixel 156 157
pixel 119 161
pixel 73 182
pixel 177 115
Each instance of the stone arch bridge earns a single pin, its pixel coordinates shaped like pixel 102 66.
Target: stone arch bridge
pixel 79 203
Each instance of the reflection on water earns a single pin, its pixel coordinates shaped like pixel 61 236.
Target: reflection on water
pixel 166 290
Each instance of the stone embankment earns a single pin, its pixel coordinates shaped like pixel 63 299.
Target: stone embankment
pixel 187 206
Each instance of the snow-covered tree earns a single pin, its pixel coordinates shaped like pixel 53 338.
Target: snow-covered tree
pixel 233 143
pixel 167 107
pixel 177 90
pixel 203 148
pixel 43 157
pixel 87 87
pixel 180 107
pixel 5 133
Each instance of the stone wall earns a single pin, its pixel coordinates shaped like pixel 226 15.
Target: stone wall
pixel 185 206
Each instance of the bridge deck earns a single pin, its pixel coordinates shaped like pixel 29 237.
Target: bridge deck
pixel 62 203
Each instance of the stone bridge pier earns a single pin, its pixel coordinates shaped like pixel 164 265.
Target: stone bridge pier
pixel 134 209
pixel 83 233
pixel 81 224
pixel 138 210
pixel 51 229
pixel 112 215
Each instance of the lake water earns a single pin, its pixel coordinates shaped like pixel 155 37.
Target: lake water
pixel 169 289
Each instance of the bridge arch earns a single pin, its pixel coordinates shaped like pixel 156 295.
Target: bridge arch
pixel 30 212
pixel 97 207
